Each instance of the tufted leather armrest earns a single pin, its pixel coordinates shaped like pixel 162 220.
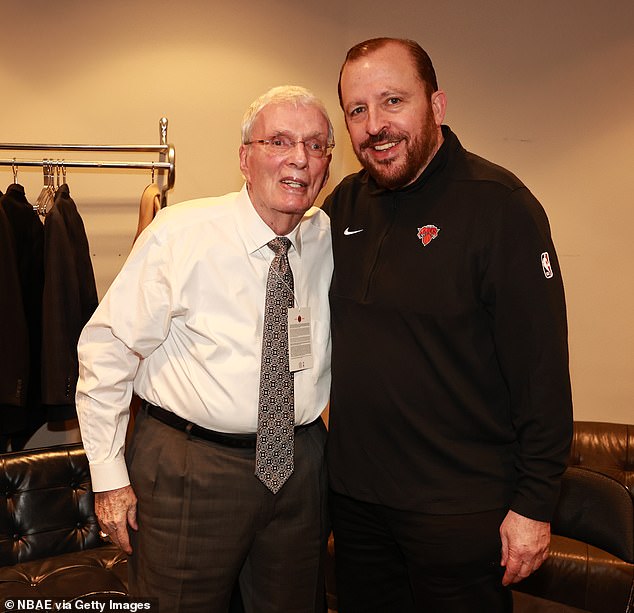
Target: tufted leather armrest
pixel 606 448
pixel 598 510
pixel 100 570
pixel 46 504
pixel 582 576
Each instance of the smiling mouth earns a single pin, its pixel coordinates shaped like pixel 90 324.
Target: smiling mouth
pixel 385 146
pixel 294 183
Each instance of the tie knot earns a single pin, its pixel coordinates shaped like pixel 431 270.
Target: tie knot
pixel 279 245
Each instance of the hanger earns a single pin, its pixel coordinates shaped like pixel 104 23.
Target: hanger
pixel 14 167
pixel 149 205
pixel 42 194
pixel 47 196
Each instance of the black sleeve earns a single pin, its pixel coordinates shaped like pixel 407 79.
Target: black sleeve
pixel 524 291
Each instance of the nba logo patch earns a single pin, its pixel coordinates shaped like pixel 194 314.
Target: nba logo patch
pixel 427 234
pixel 546 267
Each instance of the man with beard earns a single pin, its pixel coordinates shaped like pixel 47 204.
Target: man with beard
pixel 450 417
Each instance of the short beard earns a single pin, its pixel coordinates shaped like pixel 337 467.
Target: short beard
pixel 419 153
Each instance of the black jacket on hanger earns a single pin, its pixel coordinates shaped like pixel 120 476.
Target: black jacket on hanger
pixel 14 357
pixel 70 297
pixel 28 234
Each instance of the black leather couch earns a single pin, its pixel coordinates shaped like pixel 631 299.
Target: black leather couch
pixel 591 563
pixel 50 545
pixel 49 536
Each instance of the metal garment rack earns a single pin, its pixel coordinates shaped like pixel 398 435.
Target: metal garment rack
pixel 166 154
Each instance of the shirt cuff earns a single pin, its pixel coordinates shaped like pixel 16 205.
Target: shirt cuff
pixel 110 476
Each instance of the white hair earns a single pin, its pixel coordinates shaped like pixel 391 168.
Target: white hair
pixel 294 94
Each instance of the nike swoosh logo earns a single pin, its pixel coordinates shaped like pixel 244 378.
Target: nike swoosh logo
pixel 349 232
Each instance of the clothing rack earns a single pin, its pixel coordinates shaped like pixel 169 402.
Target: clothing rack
pixel 166 154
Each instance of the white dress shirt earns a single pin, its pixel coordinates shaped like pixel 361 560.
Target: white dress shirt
pixel 181 325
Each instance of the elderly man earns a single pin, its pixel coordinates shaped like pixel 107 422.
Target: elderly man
pixel 450 416
pixel 219 321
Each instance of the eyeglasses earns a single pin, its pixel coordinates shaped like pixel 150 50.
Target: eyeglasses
pixel 283 145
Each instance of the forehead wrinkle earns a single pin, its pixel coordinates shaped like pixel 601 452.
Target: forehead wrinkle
pixel 292 135
pixel 383 95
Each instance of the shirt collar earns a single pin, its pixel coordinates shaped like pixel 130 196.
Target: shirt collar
pixel 255 232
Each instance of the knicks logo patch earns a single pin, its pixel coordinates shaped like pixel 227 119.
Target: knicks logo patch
pixel 427 234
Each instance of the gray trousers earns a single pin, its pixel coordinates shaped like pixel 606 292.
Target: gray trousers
pixel 206 521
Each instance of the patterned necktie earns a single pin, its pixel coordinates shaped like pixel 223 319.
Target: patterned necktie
pixel 276 413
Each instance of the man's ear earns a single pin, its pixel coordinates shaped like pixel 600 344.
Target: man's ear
pixel 327 175
pixel 439 106
pixel 244 163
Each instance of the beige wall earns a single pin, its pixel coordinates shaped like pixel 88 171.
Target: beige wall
pixel 544 88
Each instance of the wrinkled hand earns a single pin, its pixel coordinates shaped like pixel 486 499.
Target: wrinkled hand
pixel 524 546
pixel 116 510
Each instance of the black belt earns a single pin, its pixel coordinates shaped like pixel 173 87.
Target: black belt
pixel 245 441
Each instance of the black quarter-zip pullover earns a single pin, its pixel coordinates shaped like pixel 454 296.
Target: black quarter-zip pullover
pixel 451 391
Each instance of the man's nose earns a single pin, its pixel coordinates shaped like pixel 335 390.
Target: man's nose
pixel 376 121
pixel 298 155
